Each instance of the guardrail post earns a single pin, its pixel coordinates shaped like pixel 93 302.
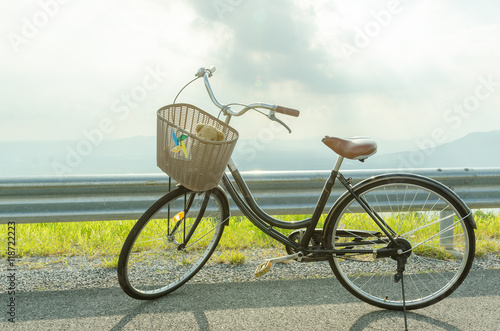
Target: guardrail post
pixel 446 238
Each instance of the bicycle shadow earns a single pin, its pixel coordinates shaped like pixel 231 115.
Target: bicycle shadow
pixel 199 300
pixel 143 308
pixel 394 320
pixel 146 307
pixel 374 320
pixel 283 304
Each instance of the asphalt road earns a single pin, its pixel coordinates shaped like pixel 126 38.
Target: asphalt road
pixel 310 304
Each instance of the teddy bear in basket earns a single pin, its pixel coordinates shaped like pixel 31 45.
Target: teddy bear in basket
pixel 208 132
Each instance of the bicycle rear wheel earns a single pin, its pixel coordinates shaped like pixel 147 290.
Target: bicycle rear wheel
pixel 171 242
pixel 429 221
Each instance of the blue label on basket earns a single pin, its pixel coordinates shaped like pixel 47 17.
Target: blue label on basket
pixel 179 143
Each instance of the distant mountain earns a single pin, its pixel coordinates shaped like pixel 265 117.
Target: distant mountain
pixel 478 149
pixel 138 155
pixel 41 158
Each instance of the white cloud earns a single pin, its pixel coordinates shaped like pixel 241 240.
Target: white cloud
pixel 63 78
pixel 310 55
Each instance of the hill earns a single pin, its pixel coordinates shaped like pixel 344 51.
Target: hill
pixel 138 155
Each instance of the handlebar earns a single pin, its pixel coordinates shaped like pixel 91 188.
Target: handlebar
pixel 287 111
pixel 207 73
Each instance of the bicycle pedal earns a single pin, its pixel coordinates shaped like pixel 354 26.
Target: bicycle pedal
pixel 263 268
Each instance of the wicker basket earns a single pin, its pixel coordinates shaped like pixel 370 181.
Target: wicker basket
pixel 195 163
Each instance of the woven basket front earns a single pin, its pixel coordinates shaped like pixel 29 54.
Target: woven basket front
pixel 195 163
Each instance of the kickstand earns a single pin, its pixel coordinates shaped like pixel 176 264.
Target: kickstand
pixel 397 277
pixel 404 301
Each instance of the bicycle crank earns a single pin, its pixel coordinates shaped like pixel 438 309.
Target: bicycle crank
pixel 315 243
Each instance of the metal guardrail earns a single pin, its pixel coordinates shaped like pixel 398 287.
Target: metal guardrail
pixel 125 197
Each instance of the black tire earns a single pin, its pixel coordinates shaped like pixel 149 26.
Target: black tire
pixel 155 259
pixel 425 215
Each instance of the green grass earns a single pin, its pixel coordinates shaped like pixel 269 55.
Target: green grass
pixel 91 239
pixel 487 233
pixel 433 252
pixel 230 256
pixel 105 239
pixel 109 262
pixel 241 234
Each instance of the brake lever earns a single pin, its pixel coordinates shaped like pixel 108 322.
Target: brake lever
pixel 202 72
pixel 272 117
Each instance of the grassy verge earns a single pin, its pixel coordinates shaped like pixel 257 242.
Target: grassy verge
pixel 487 233
pixel 104 239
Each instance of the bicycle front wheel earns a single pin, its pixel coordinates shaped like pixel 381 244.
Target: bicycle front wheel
pixel 171 242
pixel 431 224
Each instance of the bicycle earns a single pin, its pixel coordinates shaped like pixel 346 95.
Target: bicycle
pixel 380 232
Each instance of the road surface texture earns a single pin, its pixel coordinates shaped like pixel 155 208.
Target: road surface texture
pixel 308 304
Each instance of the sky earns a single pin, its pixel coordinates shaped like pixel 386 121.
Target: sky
pixel 419 72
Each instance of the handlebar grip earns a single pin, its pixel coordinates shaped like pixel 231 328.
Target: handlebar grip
pixel 287 111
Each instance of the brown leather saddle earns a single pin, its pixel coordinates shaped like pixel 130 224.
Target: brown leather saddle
pixel 356 148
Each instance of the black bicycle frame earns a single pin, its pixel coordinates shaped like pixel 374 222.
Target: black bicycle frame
pixel 265 222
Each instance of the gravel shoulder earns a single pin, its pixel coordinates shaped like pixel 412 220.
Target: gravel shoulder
pixel 79 272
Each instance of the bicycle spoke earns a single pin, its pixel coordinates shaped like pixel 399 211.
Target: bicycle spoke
pixel 436 241
pixel 156 259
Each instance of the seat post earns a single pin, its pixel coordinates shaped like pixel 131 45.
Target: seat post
pixel 338 164
pixel 320 205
